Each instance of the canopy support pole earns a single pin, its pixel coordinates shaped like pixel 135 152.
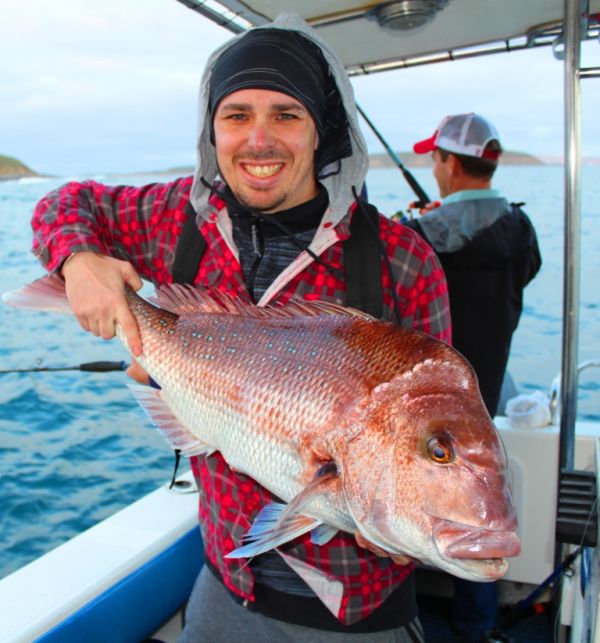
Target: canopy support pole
pixel 572 229
pixel 573 10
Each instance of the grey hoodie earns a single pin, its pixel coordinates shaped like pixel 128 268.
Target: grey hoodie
pixel 339 186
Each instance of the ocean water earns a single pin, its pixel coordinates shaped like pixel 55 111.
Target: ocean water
pixel 75 447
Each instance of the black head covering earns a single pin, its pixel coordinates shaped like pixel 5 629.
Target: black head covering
pixel 287 62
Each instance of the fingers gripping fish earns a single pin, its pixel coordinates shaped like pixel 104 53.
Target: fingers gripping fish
pixel 356 424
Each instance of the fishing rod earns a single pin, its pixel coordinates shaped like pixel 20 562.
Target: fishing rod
pixel 410 179
pixel 520 609
pixel 106 367
pixel 91 367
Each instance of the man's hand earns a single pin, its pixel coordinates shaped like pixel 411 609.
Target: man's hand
pixel 95 289
pixel 137 373
pixel 399 559
pixel 428 207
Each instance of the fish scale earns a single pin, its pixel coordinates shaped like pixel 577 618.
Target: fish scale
pixel 358 424
pixel 285 409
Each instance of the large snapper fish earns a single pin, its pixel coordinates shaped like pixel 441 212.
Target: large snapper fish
pixel 356 424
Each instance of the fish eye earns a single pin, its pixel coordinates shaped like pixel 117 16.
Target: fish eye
pixel 440 450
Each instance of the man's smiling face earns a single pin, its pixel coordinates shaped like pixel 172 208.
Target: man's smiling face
pixel 265 143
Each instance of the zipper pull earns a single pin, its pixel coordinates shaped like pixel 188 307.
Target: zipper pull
pixel 256 238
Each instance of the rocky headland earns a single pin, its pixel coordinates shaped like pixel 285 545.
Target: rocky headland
pixel 11 169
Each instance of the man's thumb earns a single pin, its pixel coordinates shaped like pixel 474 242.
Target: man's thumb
pixel 131 277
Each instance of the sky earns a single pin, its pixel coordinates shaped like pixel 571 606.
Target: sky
pixel 97 87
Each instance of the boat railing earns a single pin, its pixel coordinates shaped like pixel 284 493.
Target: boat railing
pixel 555 389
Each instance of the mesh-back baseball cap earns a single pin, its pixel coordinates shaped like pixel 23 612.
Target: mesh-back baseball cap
pixel 466 134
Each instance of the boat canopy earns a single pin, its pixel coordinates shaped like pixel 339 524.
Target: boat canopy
pixel 372 37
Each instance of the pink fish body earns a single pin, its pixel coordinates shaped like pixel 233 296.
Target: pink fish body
pixel 358 424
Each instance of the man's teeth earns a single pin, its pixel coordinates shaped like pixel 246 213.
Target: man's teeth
pixel 263 170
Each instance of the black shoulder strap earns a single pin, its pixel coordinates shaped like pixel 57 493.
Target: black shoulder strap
pixel 190 248
pixel 189 251
pixel 362 262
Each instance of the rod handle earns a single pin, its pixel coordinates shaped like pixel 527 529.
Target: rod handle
pixel 103 367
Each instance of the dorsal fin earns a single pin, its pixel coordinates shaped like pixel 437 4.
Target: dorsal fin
pixel 188 300
pixel 185 300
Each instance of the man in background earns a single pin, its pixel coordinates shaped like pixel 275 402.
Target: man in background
pixel 489 251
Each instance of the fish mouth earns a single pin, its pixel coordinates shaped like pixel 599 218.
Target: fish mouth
pixel 476 549
pixel 483 569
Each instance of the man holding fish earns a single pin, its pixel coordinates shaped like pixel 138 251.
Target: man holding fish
pixel 280 162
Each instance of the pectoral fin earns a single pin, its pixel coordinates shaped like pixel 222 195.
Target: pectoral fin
pixel 322 534
pixel 278 523
pixel 268 532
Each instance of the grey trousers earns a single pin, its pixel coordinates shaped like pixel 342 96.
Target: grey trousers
pixel 212 616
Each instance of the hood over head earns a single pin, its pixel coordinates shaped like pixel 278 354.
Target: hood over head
pixel 285 62
pixel 305 68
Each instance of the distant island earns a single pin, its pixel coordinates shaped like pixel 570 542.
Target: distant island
pixel 11 168
pixel 409 159
pixel 424 160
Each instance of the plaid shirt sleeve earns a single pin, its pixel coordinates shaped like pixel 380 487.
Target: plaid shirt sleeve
pixel 420 282
pixel 138 224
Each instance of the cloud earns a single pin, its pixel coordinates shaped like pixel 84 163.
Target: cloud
pixel 521 92
pixel 128 72
pixel 113 86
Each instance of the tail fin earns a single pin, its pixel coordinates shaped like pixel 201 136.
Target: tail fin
pixel 47 294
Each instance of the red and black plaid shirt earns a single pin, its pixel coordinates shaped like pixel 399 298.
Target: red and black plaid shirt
pixel 143 225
